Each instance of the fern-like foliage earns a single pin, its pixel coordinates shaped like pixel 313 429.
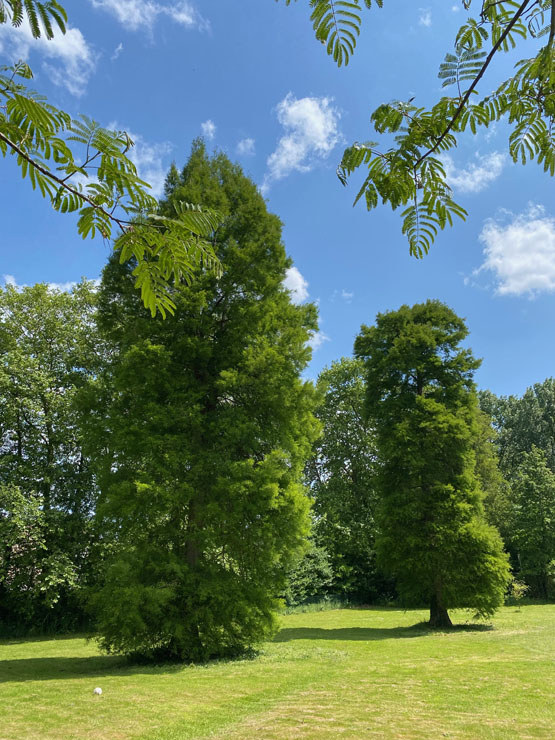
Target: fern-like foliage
pixel 410 173
pixel 336 24
pixel 393 177
pixel 170 249
pixel 40 15
pixel 82 167
pixel 461 67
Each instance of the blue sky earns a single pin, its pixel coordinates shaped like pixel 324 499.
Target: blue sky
pixel 249 76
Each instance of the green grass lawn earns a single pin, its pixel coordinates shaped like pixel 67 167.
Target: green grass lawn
pixel 364 673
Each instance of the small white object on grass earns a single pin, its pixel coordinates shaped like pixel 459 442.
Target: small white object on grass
pixel 97 691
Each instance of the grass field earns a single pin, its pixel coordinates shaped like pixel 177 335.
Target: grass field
pixel 364 673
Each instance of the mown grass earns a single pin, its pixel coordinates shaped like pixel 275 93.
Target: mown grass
pixel 349 673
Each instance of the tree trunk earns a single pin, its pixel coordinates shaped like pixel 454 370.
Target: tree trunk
pixel 439 616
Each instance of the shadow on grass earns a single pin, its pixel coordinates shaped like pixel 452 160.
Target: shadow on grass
pixel 60 668
pixel 49 669
pixel 370 634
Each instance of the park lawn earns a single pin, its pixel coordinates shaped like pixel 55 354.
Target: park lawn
pixel 350 673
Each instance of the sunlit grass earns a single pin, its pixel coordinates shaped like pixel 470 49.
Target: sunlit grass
pixel 364 673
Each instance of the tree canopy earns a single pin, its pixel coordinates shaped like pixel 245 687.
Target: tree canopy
pixel 49 347
pixel 433 536
pixel 200 427
pixel 341 474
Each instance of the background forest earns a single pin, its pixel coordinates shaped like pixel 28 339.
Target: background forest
pixel 156 468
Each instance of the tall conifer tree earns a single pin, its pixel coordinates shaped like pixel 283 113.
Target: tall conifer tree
pixel 203 424
pixel 420 395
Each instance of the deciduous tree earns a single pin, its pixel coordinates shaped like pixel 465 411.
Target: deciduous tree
pixel 48 348
pixel 534 520
pixel 342 479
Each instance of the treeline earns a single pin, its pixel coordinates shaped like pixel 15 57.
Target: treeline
pixel 170 483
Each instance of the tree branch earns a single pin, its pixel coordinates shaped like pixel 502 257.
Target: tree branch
pixel 477 79
pixel 63 184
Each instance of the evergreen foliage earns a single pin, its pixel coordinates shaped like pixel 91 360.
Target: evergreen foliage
pixel 200 426
pixel 420 397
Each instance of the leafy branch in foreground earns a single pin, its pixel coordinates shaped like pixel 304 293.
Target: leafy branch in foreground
pixel 39 15
pixel 336 24
pixel 410 173
pixel 82 167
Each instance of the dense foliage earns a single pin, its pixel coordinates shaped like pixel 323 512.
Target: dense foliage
pixel 311 580
pixel 158 464
pixel 341 475
pixel 534 522
pixel 525 439
pixel 200 426
pixel 48 349
pixel 433 535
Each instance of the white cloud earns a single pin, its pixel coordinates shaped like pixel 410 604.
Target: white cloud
pixel 311 132
pixel 425 17
pixel 149 159
pixel 520 252
pixel 491 132
pixel 63 287
pixel 478 175
pixel 296 283
pixel 455 8
pixel 208 129
pixel 117 52
pixel 246 147
pixel 71 61
pixel 344 294
pixel 143 14
pixel 60 287
pixel 317 339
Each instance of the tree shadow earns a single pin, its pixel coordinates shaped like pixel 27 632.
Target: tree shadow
pixel 371 634
pixel 48 669
pixel 61 668
pixel 363 634
pixel 97 666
